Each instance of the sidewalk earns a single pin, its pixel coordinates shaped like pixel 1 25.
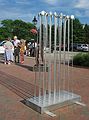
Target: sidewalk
pixel 17 82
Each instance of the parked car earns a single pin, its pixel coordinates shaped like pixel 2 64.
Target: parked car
pixel 2 49
pixel 73 47
pixel 83 47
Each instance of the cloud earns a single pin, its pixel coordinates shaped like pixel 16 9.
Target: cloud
pixel 3 2
pixel 22 2
pixel 82 14
pixel 81 8
pixel 15 15
pixel 78 14
pixel 27 9
pixel 15 12
pixel 87 13
pixel 82 4
pixel 51 2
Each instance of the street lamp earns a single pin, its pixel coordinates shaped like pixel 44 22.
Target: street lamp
pixel 37 47
pixel 34 20
pixel 34 31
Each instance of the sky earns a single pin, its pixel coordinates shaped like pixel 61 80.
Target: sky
pixel 27 9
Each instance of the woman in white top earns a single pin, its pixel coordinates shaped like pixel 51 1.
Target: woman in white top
pixel 8 51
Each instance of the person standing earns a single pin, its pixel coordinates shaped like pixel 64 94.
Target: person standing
pixel 16 49
pixel 8 51
pixel 22 49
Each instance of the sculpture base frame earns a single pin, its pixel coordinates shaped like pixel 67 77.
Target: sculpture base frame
pixel 41 68
pixel 43 103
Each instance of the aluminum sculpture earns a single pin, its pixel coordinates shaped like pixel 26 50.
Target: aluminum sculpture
pixel 52 89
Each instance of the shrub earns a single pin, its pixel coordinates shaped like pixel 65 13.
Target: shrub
pixel 81 59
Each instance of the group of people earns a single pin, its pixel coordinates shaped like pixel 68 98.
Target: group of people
pixel 14 50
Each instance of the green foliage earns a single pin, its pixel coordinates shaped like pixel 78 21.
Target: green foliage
pixel 79 32
pixel 86 33
pixel 10 28
pixel 81 59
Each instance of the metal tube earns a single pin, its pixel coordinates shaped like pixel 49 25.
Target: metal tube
pixel 64 54
pixel 55 41
pixel 49 61
pixel 60 43
pixel 35 82
pixel 35 85
pixel 72 50
pixel 45 61
pixel 68 53
pixel 40 49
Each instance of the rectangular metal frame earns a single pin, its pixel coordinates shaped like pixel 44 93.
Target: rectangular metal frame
pixel 65 98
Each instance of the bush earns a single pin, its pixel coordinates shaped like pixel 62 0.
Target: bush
pixel 81 59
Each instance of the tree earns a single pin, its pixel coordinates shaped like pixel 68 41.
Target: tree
pixel 79 36
pixel 86 29
pixel 19 28
pixel 10 28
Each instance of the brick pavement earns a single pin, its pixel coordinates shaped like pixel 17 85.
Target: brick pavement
pixel 16 83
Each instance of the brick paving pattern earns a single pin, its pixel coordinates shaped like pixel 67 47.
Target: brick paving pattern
pixel 17 83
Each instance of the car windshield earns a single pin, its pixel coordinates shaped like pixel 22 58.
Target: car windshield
pixel 79 45
pixel 85 45
pixel 2 43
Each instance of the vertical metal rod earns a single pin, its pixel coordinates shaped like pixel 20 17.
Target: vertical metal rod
pixel 35 85
pixel 43 74
pixel 49 69
pixel 64 55
pixel 57 57
pixel 46 53
pixel 35 82
pixel 55 41
pixel 45 62
pixel 37 73
pixel 72 50
pixel 40 49
pixel 68 53
pixel 60 43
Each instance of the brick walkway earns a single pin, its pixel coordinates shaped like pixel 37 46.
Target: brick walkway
pixel 17 83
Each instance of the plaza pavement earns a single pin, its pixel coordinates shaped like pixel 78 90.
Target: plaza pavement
pixel 17 82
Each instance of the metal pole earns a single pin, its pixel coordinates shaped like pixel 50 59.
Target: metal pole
pixel 40 49
pixel 55 41
pixel 68 51
pixel 64 54
pixel 60 43
pixel 72 17
pixel 36 57
pixel 49 61
pixel 45 65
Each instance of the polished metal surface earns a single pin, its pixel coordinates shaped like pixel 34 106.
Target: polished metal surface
pixel 52 77
pixel 65 98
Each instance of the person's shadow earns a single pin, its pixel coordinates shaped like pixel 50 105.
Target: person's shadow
pixel 25 66
pixel 34 68
pixel 2 58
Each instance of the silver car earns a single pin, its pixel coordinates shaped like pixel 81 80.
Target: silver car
pixel 83 47
pixel 2 49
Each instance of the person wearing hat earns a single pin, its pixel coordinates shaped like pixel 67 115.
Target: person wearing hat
pixel 16 49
